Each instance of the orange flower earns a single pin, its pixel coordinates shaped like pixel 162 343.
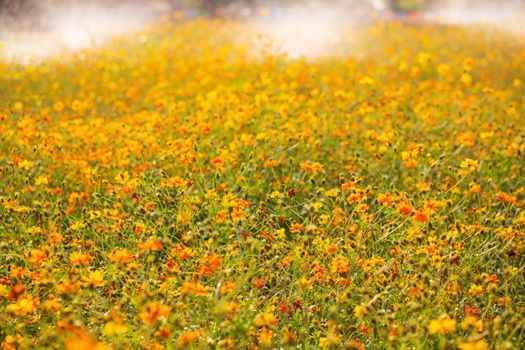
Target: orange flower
pixel 340 265
pixel 149 205
pixel 187 158
pixel 385 199
pixel 154 312
pixel 217 161
pixel 163 333
pixel 9 343
pixel 506 198
pixel 68 286
pixel 222 215
pixel 311 167
pixel 226 343
pixel 265 337
pixel 175 181
pixel 350 184
pixel 356 196
pixel 474 187
pixel 228 286
pixel 467 139
pixel 23 306
pixel 37 256
pixel 84 342
pixel 182 252
pixel 296 228
pixel 121 256
pixel 188 337
pixel 52 305
pixel 194 288
pixel 211 264
pixel 271 163
pixel 405 208
pixel 151 244
pixel 258 283
pixel 79 259
pixel 420 216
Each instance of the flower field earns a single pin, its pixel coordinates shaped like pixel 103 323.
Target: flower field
pixel 192 186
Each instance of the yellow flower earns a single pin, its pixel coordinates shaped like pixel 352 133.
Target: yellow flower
pixel 466 79
pixel 94 279
pixel 468 63
pixel 77 225
pixel 276 195
pixel 334 192
pixel 442 325
pixel 474 345
pixel 26 164
pixel 265 319
pixel 469 164
pixel 41 180
pixel 443 69
pixel 114 329
pixel 424 58
pixel 18 106
pixel 471 321
pixel 4 291
pixel 476 289
pixel 58 106
pixel 360 311
pixel 331 340
pixel 317 205
pixel 367 81
pixel 323 219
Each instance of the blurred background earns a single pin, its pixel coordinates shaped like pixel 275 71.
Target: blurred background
pixel 26 13
pixel 36 28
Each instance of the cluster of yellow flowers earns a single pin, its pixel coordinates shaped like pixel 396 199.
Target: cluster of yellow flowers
pixel 196 189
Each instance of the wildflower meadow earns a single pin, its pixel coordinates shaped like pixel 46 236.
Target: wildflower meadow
pixel 194 186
